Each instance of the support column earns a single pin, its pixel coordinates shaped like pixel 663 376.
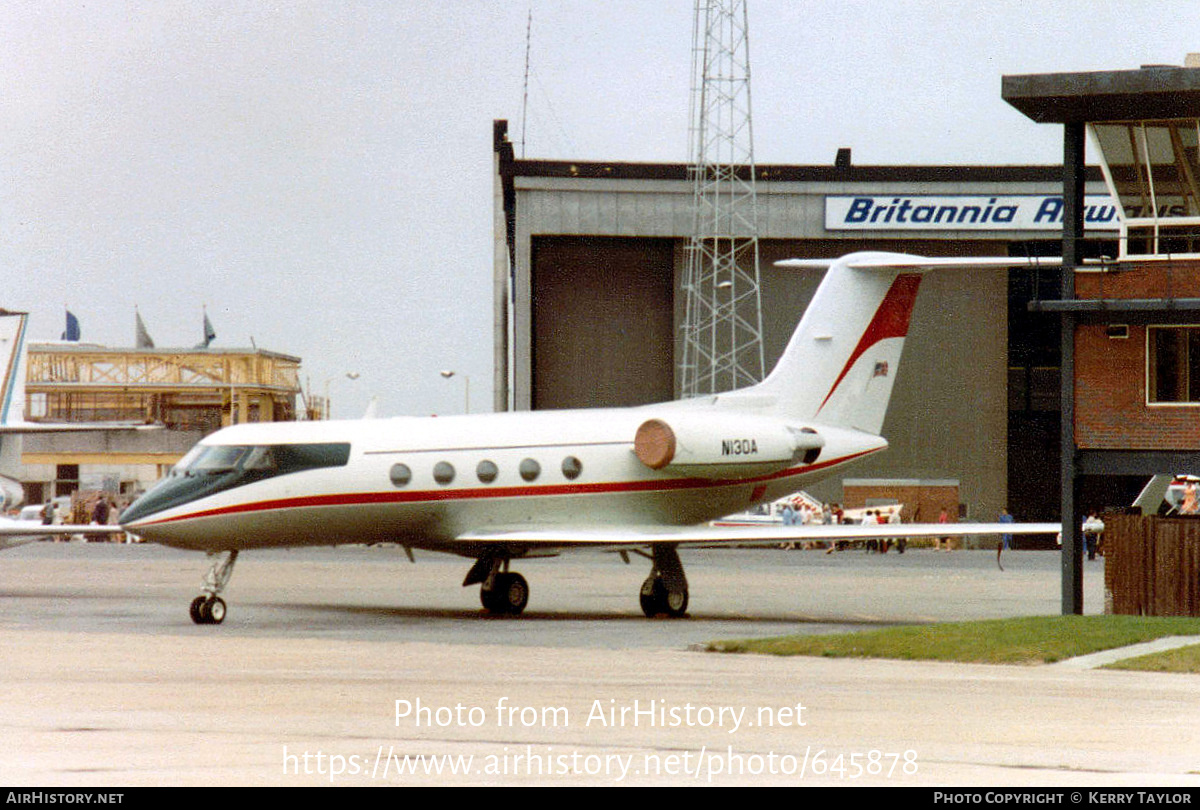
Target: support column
pixel 1072 256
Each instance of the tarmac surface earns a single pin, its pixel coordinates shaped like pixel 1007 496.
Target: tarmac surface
pixel 352 666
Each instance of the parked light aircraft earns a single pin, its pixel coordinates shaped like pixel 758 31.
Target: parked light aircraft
pixel 13 353
pixel 499 487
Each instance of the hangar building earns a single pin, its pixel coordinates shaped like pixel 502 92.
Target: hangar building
pixel 589 259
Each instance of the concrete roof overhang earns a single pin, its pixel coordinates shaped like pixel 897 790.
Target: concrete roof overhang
pixel 1147 94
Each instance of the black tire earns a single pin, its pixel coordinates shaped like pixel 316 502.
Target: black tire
pixel 508 595
pixel 656 600
pixel 196 610
pixel 213 610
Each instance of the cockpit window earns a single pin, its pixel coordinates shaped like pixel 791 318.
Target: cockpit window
pixel 217 460
pixel 263 461
pixel 213 468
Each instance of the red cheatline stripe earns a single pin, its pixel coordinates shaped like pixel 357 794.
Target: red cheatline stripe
pixel 890 321
pixel 428 496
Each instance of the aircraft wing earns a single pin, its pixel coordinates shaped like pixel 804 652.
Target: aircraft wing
pixel 615 536
pixel 77 427
pixel 15 533
pixel 17 528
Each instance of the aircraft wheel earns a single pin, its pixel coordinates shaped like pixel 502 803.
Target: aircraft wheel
pixel 214 610
pixel 656 600
pixel 207 610
pixel 195 610
pixel 508 595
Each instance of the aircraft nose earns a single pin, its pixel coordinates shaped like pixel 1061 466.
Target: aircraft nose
pixel 135 513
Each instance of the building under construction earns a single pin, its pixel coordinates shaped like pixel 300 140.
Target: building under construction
pixel 189 392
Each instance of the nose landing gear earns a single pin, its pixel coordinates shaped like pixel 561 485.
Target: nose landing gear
pixel 209 607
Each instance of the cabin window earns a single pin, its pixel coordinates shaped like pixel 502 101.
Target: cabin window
pixel 443 472
pixel 530 469
pixel 571 467
pixel 400 474
pixel 487 471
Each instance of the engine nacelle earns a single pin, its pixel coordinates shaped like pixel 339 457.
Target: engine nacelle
pixel 723 445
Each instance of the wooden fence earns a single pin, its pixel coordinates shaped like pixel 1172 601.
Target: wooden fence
pixel 1152 565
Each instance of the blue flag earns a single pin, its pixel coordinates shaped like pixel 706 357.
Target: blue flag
pixel 141 336
pixel 210 334
pixel 72 331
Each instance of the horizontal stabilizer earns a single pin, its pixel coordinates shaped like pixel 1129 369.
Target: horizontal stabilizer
pixel 898 262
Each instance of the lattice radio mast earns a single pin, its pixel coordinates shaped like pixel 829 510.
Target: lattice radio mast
pixel 722 332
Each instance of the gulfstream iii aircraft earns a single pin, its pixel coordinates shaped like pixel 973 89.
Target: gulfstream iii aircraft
pixel 499 487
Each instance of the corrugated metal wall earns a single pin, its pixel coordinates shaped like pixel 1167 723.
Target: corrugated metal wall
pixel 602 321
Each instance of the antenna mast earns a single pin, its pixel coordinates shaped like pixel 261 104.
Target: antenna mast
pixel 722 331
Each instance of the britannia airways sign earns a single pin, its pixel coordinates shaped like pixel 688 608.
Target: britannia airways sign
pixel 915 212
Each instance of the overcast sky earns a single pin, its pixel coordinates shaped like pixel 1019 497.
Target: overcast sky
pixel 318 174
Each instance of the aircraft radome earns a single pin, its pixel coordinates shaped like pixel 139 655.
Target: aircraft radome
pixel 498 487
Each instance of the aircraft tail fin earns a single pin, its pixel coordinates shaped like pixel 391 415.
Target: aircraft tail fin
pixel 12 402
pixel 841 363
pixel 12 356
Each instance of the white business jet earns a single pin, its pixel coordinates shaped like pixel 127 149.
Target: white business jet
pixel 498 487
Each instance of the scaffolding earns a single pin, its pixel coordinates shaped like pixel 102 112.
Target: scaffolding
pixel 181 389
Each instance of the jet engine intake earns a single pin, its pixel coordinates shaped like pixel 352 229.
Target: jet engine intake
pixel 718 445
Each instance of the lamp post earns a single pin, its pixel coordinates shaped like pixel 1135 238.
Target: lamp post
pixel 350 375
pixel 448 373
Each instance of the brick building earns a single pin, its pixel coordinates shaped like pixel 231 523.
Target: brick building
pixel 1131 321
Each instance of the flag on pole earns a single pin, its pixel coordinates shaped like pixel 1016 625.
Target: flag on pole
pixel 72 331
pixel 210 334
pixel 143 340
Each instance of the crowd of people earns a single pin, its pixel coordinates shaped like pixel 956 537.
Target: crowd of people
pixel 99 508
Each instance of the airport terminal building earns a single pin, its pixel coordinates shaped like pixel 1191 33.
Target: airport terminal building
pixel 589 260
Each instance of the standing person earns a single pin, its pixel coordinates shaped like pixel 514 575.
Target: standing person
pixel 1005 539
pixel 943 517
pixel 1092 528
pixel 1189 506
pixel 100 512
pixel 901 542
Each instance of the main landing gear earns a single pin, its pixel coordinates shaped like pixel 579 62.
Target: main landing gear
pixel 665 591
pixel 505 593
pixel 209 607
pixel 502 592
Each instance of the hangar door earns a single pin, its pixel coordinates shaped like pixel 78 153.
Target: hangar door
pixel 602 321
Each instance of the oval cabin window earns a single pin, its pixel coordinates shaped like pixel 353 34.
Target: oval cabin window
pixel 443 472
pixel 400 474
pixel 530 469
pixel 571 467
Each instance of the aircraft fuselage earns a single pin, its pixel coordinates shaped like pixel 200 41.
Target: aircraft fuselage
pixel 425 481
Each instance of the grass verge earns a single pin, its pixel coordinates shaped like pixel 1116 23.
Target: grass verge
pixel 1030 640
